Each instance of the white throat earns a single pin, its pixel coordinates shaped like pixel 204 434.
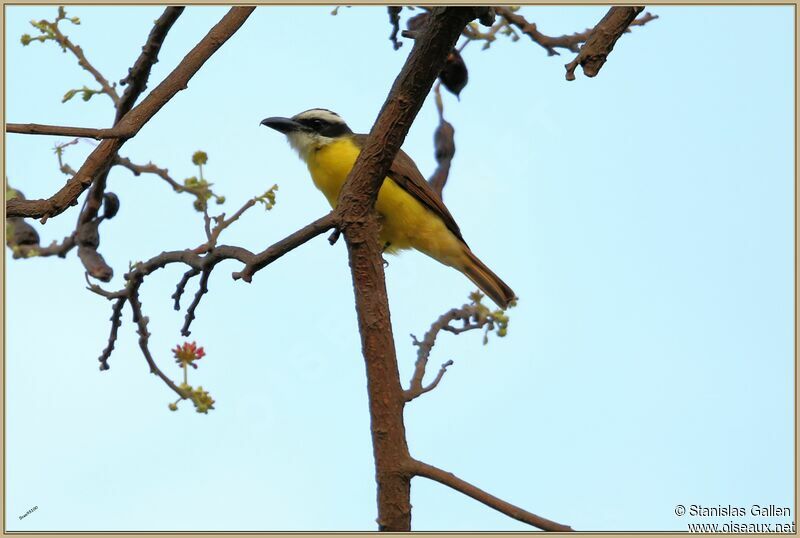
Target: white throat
pixel 304 143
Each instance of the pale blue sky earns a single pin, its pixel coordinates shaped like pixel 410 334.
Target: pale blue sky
pixel 644 217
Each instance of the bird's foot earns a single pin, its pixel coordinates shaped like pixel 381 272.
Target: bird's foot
pixel 385 261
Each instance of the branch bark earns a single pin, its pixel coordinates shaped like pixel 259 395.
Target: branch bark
pixel 140 72
pixel 601 40
pixel 133 121
pixel 360 227
pixel 549 43
pixel 419 468
pixel 64 130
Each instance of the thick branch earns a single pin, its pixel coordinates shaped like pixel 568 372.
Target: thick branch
pixel 360 227
pixel 419 468
pixel 133 121
pixel 24 241
pixel 601 40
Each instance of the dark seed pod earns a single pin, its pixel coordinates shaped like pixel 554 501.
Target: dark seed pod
pixel 22 232
pixel 443 142
pixel 88 234
pixel 110 205
pixel 454 75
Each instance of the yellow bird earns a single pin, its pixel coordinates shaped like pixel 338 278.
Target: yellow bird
pixel 411 214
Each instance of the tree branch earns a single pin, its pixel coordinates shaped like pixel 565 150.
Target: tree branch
pixel 549 43
pixel 144 337
pixel 133 121
pixel 418 468
pixel 360 227
pixel 82 61
pixel 24 241
pixel 88 253
pixel 116 322
pixel 181 287
pixel 601 40
pixel 258 261
pixel 62 130
pixel 201 290
pixel 149 168
pixel 474 315
pixel 140 72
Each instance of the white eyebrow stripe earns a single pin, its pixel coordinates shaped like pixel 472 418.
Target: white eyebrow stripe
pixel 320 113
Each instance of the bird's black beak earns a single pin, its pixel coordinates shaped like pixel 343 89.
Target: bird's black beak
pixel 282 125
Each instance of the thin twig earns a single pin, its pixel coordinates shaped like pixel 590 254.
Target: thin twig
pixel 222 223
pixel 144 338
pixel 64 41
pixel 149 168
pixel 181 287
pixel 116 322
pixel 472 315
pixel 202 290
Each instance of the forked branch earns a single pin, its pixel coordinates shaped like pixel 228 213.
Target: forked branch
pixel 100 159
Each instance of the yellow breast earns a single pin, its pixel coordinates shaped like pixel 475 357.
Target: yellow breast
pixel 405 222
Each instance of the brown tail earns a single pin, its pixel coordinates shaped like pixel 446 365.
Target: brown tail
pixel 489 283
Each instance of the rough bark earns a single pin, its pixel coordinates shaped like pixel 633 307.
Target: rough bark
pixel 360 226
pixel 601 40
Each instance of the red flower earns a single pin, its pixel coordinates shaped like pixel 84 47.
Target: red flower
pixel 188 353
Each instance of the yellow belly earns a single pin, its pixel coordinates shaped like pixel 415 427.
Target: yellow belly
pixel 405 222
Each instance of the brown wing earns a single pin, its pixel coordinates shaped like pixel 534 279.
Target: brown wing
pixel 405 173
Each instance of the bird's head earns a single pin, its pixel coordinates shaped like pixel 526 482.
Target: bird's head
pixel 311 129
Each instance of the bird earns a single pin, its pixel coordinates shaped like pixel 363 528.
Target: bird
pixel 411 214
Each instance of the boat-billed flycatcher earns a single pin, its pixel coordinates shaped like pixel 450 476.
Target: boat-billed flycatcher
pixel 411 214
